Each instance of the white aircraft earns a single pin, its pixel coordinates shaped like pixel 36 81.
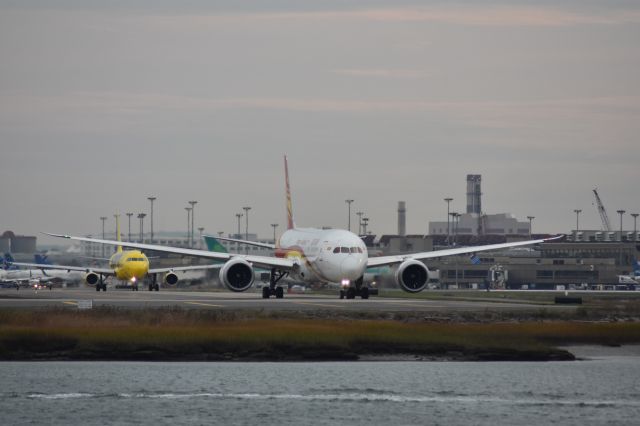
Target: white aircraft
pixel 34 275
pixel 316 255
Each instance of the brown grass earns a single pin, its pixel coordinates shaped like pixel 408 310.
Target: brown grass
pixel 193 334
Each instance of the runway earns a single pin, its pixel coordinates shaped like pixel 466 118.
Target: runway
pixel 26 298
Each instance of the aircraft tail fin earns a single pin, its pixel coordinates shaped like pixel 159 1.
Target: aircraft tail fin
pixel 214 245
pixel 290 223
pixel 7 260
pixel 118 236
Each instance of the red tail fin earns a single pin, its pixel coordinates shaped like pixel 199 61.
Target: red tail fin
pixel 290 223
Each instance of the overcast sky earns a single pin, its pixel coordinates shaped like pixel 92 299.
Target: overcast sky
pixel 105 103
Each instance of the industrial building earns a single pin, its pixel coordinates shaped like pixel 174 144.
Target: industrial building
pixel 12 243
pixel 475 222
pixel 587 259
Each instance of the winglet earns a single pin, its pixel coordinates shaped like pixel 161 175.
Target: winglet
pixel 57 235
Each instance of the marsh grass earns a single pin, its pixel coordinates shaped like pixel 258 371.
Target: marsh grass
pixel 207 334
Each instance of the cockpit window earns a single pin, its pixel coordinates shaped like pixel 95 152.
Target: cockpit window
pixel 354 249
pixel 344 249
pixel 336 250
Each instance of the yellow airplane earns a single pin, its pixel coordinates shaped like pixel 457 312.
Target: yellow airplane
pixel 130 266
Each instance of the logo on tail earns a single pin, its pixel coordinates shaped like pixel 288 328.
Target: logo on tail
pixel 7 261
pixel 290 222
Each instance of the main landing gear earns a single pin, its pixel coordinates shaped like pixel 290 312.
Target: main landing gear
pixel 272 290
pixel 153 285
pixel 358 290
pixel 101 284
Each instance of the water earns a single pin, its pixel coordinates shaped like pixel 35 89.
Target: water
pixel 595 392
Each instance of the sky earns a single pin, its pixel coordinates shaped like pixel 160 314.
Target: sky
pixel 105 103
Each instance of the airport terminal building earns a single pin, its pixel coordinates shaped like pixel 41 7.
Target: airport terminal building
pixel 547 266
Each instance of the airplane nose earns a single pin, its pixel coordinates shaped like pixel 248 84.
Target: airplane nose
pixel 351 268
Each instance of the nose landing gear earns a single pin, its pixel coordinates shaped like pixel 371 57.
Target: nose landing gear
pixel 354 291
pixel 272 290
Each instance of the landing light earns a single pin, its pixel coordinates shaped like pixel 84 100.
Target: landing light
pixel 345 283
pixel 133 280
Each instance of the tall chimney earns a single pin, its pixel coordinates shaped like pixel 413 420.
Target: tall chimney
pixel 402 218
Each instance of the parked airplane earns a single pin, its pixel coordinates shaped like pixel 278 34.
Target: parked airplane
pixel 316 255
pixel 34 276
pixel 129 266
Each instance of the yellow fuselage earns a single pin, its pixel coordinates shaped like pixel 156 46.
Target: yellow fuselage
pixel 129 265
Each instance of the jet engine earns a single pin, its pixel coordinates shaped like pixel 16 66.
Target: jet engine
pixel 412 276
pixel 237 275
pixel 91 278
pixel 171 278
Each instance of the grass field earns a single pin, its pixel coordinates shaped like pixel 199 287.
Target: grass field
pixel 171 334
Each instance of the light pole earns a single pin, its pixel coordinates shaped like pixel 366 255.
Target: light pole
pixel 188 209
pixel 200 240
pixel 349 214
pixel 365 222
pixel 530 225
pixel 239 216
pixel 456 224
pixel 141 216
pixel 129 215
pixel 577 212
pixel 103 219
pixel 117 233
pixel 152 199
pixel 274 225
pixel 453 226
pixel 193 213
pixel 621 212
pixel 448 200
pixel 359 214
pixel 635 229
pixel 246 229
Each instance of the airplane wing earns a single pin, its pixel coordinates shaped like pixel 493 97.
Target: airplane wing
pixel 260 261
pixel 249 243
pixel 86 269
pixel 184 268
pixel 391 260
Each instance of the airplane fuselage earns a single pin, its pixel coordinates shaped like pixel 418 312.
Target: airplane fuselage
pixel 328 256
pixel 129 265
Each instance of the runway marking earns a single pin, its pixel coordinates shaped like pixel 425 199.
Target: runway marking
pixel 204 304
pixel 318 304
pixel 70 303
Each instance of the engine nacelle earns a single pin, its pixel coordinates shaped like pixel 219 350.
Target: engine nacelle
pixel 412 276
pixel 171 278
pixel 91 278
pixel 237 275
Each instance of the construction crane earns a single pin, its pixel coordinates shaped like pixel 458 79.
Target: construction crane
pixel 603 213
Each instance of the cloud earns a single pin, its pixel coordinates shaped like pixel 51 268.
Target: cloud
pixel 381 73
pixel 469 15
pixel 63 110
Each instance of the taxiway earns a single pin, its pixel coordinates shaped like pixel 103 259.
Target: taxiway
pixel 10 298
